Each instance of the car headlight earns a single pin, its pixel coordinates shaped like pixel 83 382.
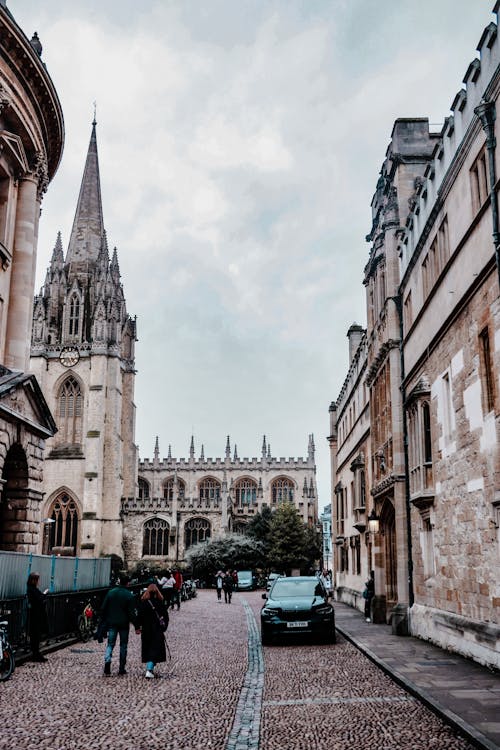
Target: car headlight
pixel 323 610
pixel 270 611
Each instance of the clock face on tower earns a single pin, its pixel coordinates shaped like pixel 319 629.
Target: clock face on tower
pixel 69 356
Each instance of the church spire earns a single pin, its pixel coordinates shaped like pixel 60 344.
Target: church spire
pixel 57 253
pixel 88 225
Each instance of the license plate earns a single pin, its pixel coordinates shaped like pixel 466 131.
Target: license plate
pixel 298 624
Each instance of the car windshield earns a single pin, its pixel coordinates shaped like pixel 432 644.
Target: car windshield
pixel 284 588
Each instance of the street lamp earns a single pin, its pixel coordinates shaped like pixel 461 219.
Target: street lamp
pixel 373 522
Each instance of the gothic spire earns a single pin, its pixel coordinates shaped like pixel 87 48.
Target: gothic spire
pixel 264 447
pixel 88 225
pixel 235 456
pixel 57 253
pixel 269 451
pixel 114 266
pixel 191 449
pixel 202 454
pixel 169 451
pixel 157 449
pixel 228 448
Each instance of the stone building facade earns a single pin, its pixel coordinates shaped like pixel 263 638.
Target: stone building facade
pixel 433 372
pixel 450 292
pixel 182 501
pixel 349 441
pixel 31 143
pixel 82 351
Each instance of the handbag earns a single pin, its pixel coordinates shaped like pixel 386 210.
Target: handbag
pixel 161 620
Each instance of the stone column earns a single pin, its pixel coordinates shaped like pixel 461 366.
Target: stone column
pixel 18 334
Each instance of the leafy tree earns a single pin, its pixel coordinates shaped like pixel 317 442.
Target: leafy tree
pixel 313 546
pixel 260 526
pixel 234 551
pixel 287 539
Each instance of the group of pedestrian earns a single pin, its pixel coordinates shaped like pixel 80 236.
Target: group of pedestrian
pixel 119 608
pixel 224 582
pixel 170 583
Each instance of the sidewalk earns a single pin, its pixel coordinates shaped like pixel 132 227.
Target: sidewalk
pixel 462 692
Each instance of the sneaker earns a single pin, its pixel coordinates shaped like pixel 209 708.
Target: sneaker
pixel 368 619
pixel 149 675
pixel 107 667
pixel 122 671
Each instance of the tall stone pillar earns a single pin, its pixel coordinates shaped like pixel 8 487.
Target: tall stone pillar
pixel 18 335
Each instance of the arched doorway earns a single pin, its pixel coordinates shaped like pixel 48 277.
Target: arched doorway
pixel 14 497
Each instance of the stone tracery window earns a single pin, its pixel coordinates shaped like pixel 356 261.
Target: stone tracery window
pixel 74 315
pixel 246 491
pixel 168 488
pixel 196 530
pixel 155 538
pixel 143 487
pixel 61 536
pixel 210 489
pixel 282 490
pixel 420 444
pixel 70 412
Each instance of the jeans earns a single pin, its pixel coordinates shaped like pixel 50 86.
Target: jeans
pixel 150 665
pixel 112 636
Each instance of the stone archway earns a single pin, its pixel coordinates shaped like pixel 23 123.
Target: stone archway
pixel 14 514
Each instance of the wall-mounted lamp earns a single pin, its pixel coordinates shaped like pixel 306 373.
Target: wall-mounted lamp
pixel 373 522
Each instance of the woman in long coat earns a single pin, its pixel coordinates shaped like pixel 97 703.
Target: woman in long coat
pixel 37 615
pixel 153 621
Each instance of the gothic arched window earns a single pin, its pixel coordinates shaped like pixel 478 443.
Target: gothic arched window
pixel 61 535
pixel 196 530
pixel 282 490
pixel 70 412
pixel 74 315
pixel 210 489
pixel 168 488
pixel 155 538
pixel 143 489
pixel 246 492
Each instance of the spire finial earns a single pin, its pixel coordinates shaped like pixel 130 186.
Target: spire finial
pixel 228 448
pixel 157 449
pixel 169 451
pixel 191 449
pixel 264 447
pixel 202 454
pixel 235 456
pixel 94 121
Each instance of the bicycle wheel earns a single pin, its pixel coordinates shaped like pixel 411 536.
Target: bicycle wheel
pixel 7 663
pixel 83 629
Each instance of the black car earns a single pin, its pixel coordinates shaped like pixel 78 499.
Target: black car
pixel 297 605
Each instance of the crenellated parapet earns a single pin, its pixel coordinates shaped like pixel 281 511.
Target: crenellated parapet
pixel 480 82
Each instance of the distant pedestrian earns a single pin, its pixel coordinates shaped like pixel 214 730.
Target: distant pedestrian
pixel 326 580
pixel 37 615
pixel 368 594
pixel 152 624
pixel 177 588
pixel 227 585
pixel 218 584
pixel 167 582
pixel 235 579
pixel 118 611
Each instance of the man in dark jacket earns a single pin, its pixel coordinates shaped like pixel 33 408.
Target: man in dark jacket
pixel 118 611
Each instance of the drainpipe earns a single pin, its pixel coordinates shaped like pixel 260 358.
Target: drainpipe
pixel 487 114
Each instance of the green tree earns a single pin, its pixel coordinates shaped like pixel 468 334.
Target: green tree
pixel 287 539
pixel 313 546
pixel 260 526
pixel 234 551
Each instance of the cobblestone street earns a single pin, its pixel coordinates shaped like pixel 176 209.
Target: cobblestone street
pixel 220 691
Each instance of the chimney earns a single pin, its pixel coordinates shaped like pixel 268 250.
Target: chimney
pixel 354 334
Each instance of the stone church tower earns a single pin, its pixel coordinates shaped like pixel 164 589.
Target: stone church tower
pixel 82 352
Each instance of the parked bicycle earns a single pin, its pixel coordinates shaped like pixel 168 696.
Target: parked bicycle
pixel 7 661
pixel 87 622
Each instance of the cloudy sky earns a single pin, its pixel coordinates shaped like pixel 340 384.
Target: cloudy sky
pixel 239 144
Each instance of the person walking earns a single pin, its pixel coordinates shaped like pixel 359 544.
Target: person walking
pixel 37 615
pixel 227 585
pixel 118 611
pixel 167 587
pixel 218 584
pixel 177 588
pixel 152 623
pixel 368 595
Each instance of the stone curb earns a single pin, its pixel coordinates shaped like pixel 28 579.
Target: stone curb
pixel 474 736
